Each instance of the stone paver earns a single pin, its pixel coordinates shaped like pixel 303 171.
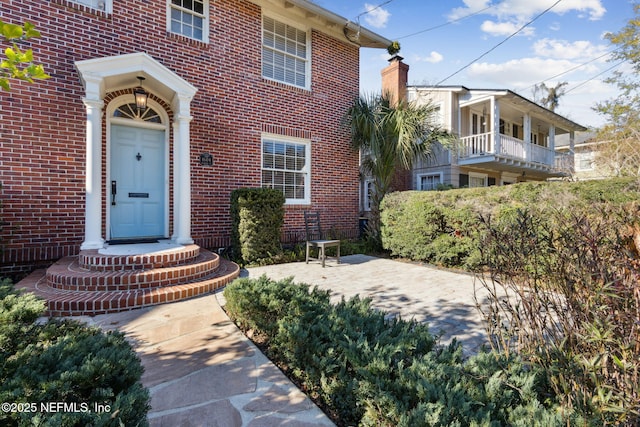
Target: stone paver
pixel 202 371
pixel 442 299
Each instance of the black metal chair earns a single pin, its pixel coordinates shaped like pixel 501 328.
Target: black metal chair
pixel 315 238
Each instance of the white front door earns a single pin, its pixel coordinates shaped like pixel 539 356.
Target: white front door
pixel 137 186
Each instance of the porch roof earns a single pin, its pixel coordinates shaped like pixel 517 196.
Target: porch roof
pixel 520 100
pixel 478 95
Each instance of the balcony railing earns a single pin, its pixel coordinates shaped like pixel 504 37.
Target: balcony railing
pixel 507 147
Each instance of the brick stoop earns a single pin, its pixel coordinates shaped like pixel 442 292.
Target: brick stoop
pixel 93 283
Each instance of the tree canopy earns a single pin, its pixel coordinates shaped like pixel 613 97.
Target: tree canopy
pixel 390 138
pixel 620 136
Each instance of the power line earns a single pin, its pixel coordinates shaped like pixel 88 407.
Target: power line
pixel 499 44
pixel 568 71
pixel 597 75
pixel 372 9
pixel 446 23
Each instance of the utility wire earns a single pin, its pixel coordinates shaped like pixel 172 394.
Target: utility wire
pixel 373 8
pixel 446 23
pixel 567 71
pixel 597 75
pixel 499 44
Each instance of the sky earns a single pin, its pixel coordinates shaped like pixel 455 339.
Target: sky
pixel 472 43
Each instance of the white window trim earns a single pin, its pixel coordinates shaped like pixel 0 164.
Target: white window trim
pixel 300 27
pixel 422 175
pixel 366 200
pixel 205 24
pixel 101 5
pixel 306 170
pixel 483 176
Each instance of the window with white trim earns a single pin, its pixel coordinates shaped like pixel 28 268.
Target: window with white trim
pixel 189 18
pixel 477 180
pixel 584 161
pixel 284 53
pixel 369 188
pixel 103 5
pixel 429 181
pixel 285 166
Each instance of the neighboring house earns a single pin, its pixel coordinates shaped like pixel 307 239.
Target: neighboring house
pixel 240 93
pixel 585 154
pixel 502 138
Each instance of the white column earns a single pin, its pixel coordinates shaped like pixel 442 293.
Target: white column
pixel 93 179
pixel 182 174
pixel 527 128
pixel 495 111
pixel 552 144
pixel 527 136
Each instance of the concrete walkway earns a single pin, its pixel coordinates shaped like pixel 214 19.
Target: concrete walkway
pixel 202 371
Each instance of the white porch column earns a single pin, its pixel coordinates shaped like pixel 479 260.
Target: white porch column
pixel 552 144
pixel 527 127
pixel 182 173
pixel 572 156
pixel 93 185
pixel 495 111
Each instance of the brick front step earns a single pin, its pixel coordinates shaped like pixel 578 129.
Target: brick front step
pixel 95 261
pixel 87 303
pixel 68 274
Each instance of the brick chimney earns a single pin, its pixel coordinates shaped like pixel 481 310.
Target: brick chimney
pixel 394 79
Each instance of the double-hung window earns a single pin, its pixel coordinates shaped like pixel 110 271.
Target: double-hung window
pixel 285 167
pixel 103 5
pixel 284 53
pixel 189 18
pixel 429 181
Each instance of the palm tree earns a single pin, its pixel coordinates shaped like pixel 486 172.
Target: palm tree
pixel 552 99
pixel 390 137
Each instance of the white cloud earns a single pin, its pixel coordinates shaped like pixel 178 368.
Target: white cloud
pixel 519 73
pixel 580 49
pixel 376 17
pixel 510 12
pixel 433 58
pixel 505 28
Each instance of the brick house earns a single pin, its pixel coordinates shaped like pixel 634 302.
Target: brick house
pixel 241 93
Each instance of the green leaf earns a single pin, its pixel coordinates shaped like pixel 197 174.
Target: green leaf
pixel 10 31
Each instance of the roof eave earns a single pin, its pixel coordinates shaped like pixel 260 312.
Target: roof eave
pixel 353 33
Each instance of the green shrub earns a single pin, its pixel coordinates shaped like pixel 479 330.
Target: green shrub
pixel 257 215
pixel 65 361
pixel 366 369
pixel 443 227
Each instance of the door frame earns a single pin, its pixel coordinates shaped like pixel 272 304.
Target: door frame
pixel 164 126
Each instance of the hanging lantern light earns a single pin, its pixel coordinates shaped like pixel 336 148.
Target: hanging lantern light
pixel 141 96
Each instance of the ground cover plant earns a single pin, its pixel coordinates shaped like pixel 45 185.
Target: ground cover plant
pixel 365 369
pixel 82 376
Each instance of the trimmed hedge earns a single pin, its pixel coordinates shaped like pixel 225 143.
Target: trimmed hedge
pixel 257 216
pixel 65 362
pixel 366 370
pixel 442 227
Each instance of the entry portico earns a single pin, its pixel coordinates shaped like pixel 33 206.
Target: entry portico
pixel 101 76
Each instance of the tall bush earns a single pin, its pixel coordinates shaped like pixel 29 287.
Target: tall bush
pixel 443 227
pixel 257 216
pixel 564 290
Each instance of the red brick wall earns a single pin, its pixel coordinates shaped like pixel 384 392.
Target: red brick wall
pixel 42 126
